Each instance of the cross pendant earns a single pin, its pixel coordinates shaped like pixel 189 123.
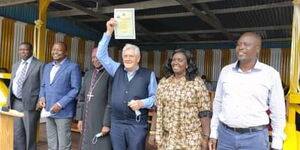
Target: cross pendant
pixel 90 95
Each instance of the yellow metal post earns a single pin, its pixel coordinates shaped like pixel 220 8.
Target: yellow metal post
pixel 293 97
pixel 40 31
pixel 40 36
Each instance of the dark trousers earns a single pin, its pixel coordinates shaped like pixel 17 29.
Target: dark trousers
pixel 25 128
pixel 128 136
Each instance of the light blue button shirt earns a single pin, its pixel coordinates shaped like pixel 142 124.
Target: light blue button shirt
pixel 111 67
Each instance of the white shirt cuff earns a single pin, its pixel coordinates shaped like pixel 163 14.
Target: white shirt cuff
pixel 59 104
pixel 214 134
pixel 277 143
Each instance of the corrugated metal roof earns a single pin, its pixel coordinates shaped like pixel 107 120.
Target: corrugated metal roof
pixel 29 15
pixel 173 21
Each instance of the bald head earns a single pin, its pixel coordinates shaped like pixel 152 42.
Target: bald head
pixel 248 47
pixel 256 37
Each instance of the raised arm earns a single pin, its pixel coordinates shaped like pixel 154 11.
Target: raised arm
pixel 102 54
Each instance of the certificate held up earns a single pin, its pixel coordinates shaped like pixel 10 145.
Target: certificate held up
pixel 125 28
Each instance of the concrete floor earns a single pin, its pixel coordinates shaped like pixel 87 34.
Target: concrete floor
pixel 42 144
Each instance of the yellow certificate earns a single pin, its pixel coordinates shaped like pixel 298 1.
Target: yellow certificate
pixel 125 28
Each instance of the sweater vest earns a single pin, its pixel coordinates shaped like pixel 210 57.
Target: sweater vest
pixel 123 91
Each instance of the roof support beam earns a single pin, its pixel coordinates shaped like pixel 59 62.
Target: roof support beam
pixel 208 42
pixel 83 9
pixel 215 11
pixel 14 2
pixel 150 4
pixel 212 20
pixel 138 6
pixel 282 27
pixel 139 27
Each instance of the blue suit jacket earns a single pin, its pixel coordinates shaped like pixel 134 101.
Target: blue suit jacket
pixel 64 88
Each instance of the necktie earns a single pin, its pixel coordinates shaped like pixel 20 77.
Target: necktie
pixel 21 80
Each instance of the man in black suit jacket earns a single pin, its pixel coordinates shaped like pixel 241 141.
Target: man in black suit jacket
pixel 24 91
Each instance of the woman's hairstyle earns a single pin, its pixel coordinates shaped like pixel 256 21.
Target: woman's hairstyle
pixel 191 71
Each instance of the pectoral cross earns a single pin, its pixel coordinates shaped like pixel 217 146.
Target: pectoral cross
pixel 90 95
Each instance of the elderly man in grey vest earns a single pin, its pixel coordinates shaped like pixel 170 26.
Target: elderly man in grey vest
pixel 133 93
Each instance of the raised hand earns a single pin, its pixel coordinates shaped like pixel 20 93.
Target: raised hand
pixel 110 24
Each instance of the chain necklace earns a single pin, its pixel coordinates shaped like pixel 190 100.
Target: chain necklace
pixel 92 86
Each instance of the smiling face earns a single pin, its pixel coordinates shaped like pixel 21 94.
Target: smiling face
pixel 247 48
pixel 179 64
pixel 25 51
pixel 130 59
pixel 58 52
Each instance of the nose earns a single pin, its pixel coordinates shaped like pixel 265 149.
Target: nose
pixel 174 63
pixel 241 46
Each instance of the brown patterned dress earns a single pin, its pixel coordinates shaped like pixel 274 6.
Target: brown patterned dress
pixel 179 101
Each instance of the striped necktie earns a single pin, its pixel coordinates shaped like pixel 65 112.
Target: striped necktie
pixel 21 80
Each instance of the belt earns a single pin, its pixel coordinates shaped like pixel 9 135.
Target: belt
pixel 245 130
pixel 16 98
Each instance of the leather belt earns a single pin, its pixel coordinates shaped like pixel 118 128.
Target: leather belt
pixel 16 98
pixel 245 130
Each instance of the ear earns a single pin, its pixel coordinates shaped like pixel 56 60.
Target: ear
pixel 66 53
pixel 258 48
pixel 138 59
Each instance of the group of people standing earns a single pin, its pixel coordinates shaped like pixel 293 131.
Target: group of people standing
pixel 53 86
pixel 115 99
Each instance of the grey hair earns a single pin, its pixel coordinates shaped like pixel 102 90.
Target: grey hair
pixel 131 46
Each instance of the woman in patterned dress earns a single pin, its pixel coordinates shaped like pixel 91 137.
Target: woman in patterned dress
pixel 183 106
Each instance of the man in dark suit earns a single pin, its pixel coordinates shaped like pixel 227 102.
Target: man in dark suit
pixel 61 84
pixel 24 91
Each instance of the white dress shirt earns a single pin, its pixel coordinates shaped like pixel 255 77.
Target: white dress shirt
pixel 55 68
pixel 19 70
pixel 53 72
pixel 242 99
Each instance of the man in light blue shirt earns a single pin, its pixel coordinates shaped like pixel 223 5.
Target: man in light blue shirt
pixel 133 93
